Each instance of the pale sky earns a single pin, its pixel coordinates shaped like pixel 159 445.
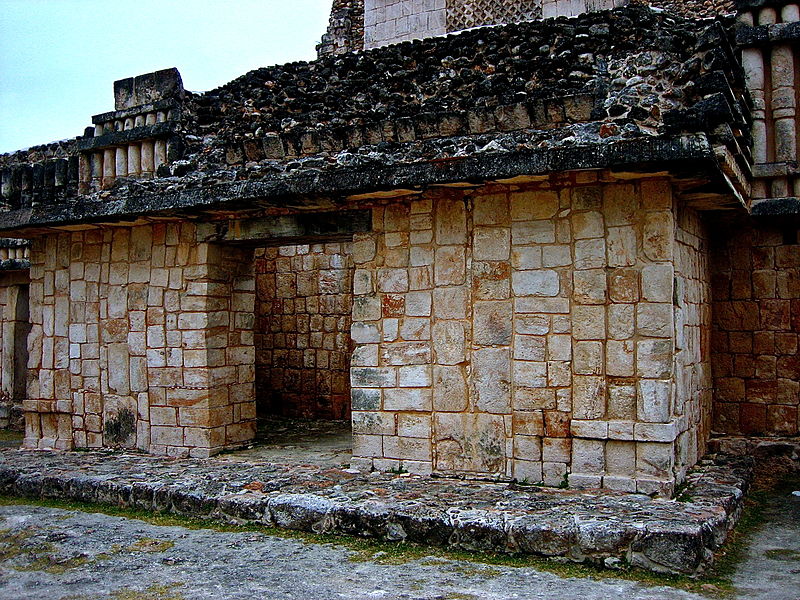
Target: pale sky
pixel 59 58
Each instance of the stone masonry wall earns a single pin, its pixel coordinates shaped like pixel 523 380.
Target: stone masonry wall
pixel 303 305
pixel 692 321
pixel 756 295
pixel 13 347
pixel 141 338
pixel 519 331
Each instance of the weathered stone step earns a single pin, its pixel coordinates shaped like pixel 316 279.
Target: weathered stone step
pixel 599 527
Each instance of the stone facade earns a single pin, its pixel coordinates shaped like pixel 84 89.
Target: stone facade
pixel 529 332
pixel 756 327
pixel 14 328
pixel 141 338
pixel 303 304
pixel 500 253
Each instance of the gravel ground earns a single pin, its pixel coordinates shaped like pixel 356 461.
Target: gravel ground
pixel 54 554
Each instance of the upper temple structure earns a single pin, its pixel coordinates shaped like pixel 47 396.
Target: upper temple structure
pixel 547 240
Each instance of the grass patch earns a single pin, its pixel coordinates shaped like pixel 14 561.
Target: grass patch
pixel 147 544
pixel 153 592
pixel 9 435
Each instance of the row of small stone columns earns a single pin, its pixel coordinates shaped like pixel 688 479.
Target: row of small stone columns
pixel 771 78
pixel 137 159
pixel 15 253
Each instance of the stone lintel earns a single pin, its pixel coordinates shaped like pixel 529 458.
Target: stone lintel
pixel 118 138
pixel 287 229
pixel 776 207
pixel 762 35
pixel 15 264
pixel 115 115
pixel 775 169
pixel 685 155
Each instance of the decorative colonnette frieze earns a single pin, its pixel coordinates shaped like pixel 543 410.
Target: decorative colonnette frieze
pixel 137 138
pixel 768 34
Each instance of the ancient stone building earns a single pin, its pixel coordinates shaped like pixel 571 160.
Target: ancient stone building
pixel 563 248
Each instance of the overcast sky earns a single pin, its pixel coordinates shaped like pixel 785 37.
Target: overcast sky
pixel 59 58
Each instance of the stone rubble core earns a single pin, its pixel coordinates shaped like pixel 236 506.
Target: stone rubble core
pixel 597 527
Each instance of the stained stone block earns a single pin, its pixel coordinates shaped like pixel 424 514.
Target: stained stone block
pixel 450 303
pixel 382 377
pixel 658 236
pixel 620 358
pixel 654 460
pixel 588 456
pixel 590 254
pixel 469 442
pixel 365 333
pixel 621 321
pixel 587 225
pixel 589 397
pixel 535 283
pixel 492 380
pixel 373 423
pixel 621 243
pixel 654 320
pixel 528 347
pixel 492 323
pixel 408 399
pixel 415 376
pixel 365 399
pixel 532 205
pixel 527 470
pixel 588 358
pixel 449 389
pixel 657 282
pixel 450 265
pixel 451 222
pixel 530 374
pixel 533 232
pixel 654 400
pixel 418 304
pixel 491 243
pixel 654 358
pixel 589 287
pixel 449 342
pixel 588 322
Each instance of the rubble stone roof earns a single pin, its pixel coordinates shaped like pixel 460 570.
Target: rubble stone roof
pixel 621 83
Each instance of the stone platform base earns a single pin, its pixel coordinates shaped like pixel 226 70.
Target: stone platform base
pixel 599 527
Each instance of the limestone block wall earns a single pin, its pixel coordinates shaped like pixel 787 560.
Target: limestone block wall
pixel 14 329
pixel 303 305
pixel 141 337
pixel 692 318
pixel 756 294
pixel 521 331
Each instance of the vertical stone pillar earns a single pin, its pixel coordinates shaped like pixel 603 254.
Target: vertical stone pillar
pixel 48 405
pixel 109 166
pixel 159 154
pixel 783 111
pixel 147 158
pixel 134 159
pixel 753 62
pixel 121 164
pixel 214 408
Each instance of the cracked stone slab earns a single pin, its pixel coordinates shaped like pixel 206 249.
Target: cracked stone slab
pixel 598 527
